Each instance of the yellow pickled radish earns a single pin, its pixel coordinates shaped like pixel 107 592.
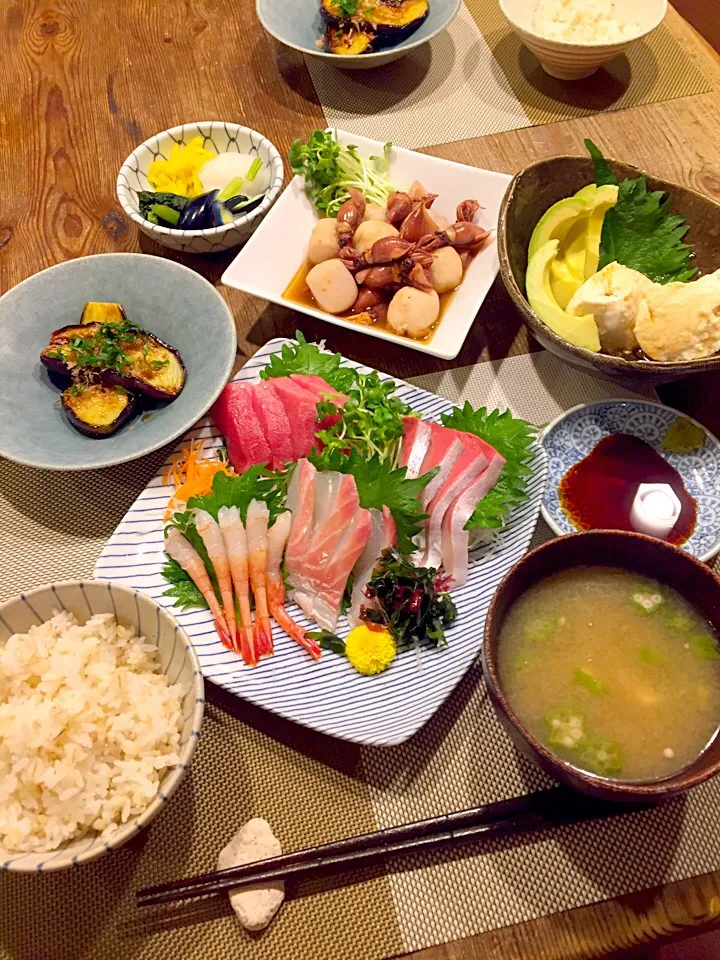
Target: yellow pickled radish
pixel 179 173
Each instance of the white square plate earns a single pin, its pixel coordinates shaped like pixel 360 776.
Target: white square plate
pixel 277 249
pixel 329 695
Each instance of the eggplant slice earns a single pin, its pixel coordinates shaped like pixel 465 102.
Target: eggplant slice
pixel 98 409
pixel 375 23
pixel 122 354
pixel 96 312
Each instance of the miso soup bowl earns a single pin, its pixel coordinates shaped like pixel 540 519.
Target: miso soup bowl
pixel 629 551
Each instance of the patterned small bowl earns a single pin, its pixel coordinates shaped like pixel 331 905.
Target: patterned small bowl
pixel 575 433
pixel 178 662
pixel 222 138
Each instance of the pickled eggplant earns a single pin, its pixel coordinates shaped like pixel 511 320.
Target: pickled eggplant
pixel 98 409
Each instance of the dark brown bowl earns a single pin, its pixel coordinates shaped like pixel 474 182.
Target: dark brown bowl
pixel 631 551
pixel 542 184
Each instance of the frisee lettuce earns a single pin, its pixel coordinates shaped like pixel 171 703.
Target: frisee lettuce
pixel 511 437
pixel 639 231
pixel 329 168
pixel 371 420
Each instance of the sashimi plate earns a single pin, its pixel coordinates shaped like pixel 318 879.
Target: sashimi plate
pixel 328 695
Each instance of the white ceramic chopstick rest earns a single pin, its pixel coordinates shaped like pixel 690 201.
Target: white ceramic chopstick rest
pixel 655 510
pixel 255 906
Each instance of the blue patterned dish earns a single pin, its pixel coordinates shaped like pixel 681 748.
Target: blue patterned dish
pixel 178 661
pixel 575 434
pixel 329 696
pixel 222 138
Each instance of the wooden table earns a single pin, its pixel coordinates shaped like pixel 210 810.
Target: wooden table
pixel 82 83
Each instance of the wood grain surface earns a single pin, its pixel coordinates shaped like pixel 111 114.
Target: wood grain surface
pixel 82 83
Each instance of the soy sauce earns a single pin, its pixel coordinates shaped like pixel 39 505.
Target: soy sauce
pixel 598 492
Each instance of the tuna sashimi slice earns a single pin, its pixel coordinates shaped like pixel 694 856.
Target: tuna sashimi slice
pixel 416 442
pixel 321 390
pixel 301 503
pixel 467 469
pixel 454 536
pixel 276 426
pixel 301 410
pixel 383 534
pixel 235 417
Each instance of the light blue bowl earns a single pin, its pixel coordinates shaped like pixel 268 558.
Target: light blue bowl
pixel 577 432
pixel 298 24
pixel 169 300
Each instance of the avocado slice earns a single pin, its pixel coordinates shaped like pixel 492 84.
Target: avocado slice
pixel 580 331
pixel 587 193
pixel 557 221
pixel 605 197
pixel 564 282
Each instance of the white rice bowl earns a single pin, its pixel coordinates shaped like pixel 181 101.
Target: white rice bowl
pixel 93 733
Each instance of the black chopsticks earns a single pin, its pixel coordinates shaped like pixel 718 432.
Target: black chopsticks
pixel 537 811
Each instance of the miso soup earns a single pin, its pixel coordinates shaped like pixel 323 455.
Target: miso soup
pixel 615 673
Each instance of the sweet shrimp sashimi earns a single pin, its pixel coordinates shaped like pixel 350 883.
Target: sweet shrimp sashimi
pixel 276 539
pixel 256 526
pixel 235 538
pixel 183 552
pixel 211 535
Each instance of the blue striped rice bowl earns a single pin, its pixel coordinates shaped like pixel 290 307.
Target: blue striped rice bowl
pixel 178 661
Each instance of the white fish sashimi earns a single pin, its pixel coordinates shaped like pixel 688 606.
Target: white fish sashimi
pixel 455 538
pixel 416 441
pixel 365 565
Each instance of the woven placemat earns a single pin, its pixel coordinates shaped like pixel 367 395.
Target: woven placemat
pixel 314 789
pixel 476 78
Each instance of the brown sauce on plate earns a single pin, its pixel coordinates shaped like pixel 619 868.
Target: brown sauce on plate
pixel 598 492
pixel 297 291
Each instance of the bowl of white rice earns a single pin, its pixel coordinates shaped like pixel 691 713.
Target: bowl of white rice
pixel 572 38
pixel 101 702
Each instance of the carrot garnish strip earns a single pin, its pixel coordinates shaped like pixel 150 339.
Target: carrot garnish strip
pixel 190 475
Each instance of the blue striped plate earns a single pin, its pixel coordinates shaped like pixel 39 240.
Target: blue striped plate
pixel 329 696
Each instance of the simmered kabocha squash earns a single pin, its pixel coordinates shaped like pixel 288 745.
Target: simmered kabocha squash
pixel 363 25
pixel 348 40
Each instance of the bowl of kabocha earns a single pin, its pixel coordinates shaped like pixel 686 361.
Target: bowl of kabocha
pixel 613 270
pixel 624 630
pixel 356 34
pixel 107 358
pixel 201 187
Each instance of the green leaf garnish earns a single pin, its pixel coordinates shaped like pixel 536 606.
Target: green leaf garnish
pixel 183 591
pixel 603 173
pixel 511 437
pixel 328 641
pixel 377 487
pixel 639 231
pixel 308 358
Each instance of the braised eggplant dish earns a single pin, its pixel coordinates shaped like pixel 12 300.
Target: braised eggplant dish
pixel 353 27
pixel 113 365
